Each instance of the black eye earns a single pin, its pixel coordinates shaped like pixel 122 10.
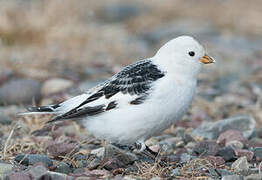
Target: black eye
pixel 191 53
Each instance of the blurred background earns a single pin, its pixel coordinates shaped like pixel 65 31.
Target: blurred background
pixel 52 50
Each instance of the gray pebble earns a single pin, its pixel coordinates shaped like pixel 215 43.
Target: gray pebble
pixel 211 130
pixel 20 91
pixel 258 152
pixel 240 164
pixel 5 120
pixel 31 159
pixel 4 169
pixel 175 172
pixel 232 177
pixel 63 167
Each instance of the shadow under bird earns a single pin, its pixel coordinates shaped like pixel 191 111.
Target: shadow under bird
pixel 140 101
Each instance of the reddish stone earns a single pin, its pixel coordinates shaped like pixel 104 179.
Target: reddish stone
pixel 216 160
pixel 231 135
pixel 244 152
pixel 19 175
pixel 57 149
pixel 205 148
pixel 155 148
pixel 253 144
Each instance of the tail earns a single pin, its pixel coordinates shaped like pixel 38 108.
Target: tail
pixel 57 109
pixel 51 109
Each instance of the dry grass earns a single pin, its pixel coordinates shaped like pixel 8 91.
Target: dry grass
pixel 15 144
pixel 35 34
pixel 148 171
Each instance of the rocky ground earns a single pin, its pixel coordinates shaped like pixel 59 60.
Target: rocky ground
pixel 52 51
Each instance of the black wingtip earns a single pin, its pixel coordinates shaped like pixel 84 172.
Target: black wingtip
pixel 32 109
pixel 50 108
pixel 54 119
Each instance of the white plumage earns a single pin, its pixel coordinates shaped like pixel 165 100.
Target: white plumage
pixel 143 99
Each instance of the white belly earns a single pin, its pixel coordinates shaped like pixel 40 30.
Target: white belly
pixel 130 123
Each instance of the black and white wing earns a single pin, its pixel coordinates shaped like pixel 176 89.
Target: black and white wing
pixel 134 80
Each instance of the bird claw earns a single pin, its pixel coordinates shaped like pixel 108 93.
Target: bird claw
pixel 138 147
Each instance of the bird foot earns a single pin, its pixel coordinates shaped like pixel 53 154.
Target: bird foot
pixel 138 147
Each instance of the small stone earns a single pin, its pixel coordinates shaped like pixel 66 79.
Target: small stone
pixel 20 91
pixel 131 169
pixel 232 177
pixel 31 159
pixel 63 167
pixel 235 144
pixel 98 152
pixel 184 158
pixel 57 176
pixel 224 172
pixel 206 148
pixel 116 158
pixel 128 178
pixel 253 177
pixel 213 173
pixel 37 172
pixel 231 135
pixel 190 145
pixel 82 178
pixel 57 149
pixel 216 160
pixel 180 144
pixel 5 168
pixel 81 160
pixel 18 175
pixel 5 74
pixel 188 138
pixel 98 174
pixel 94 163
pixel 240 164
pixel 227 153
pixel 175 172
pixel 5 120
pixel 170 142
pixel 211 130
pixel 79 171
pixel 156 178
pixel 258 153
pixel 156 148
pixel 244 152
pixel 55 85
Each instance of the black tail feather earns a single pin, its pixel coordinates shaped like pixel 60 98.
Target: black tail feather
pixel 79 113
pixel 50 108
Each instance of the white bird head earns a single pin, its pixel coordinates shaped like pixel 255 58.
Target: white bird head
pixel 182 55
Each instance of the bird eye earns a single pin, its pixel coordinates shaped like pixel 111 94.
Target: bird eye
pixel 191 53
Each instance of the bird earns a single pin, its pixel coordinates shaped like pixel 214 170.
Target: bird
pixel 140 101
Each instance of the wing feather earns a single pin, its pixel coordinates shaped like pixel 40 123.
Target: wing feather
pixel 135 79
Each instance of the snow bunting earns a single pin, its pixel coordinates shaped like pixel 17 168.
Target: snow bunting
pixel 143 99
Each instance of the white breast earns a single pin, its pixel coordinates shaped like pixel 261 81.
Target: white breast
pixel 167 102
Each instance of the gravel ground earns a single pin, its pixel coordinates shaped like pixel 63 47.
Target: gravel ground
pixel 51 51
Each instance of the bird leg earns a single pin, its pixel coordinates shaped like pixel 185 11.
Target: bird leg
pixel 123 147
pixel 141 147
pixel 151 152
pixel 138 147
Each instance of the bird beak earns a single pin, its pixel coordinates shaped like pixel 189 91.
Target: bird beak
pixel 207 59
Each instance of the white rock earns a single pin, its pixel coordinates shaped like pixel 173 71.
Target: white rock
pixel 241 164
pixel 55 85
pixel 232 177
pixel 98 152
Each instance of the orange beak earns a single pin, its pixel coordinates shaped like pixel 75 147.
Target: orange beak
pixel 207 59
